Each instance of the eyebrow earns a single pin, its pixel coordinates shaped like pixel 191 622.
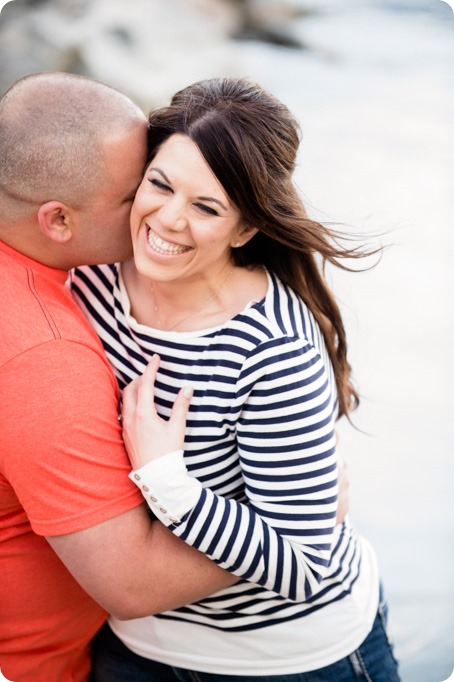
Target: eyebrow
pixel 216 201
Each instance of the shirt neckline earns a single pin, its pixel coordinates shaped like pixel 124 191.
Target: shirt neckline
pixel 126 306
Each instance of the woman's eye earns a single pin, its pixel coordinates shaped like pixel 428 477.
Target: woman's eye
pixel 207 209
pixel 158 184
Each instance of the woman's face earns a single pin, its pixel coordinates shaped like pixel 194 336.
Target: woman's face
pixel 182 222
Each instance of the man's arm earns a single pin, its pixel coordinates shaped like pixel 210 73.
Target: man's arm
pixel 133 567
pixel 141 567
pixel 63 454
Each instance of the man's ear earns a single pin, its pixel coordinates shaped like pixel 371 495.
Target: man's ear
pixel 244 235
pixel 56 221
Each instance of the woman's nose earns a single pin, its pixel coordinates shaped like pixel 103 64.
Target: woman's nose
pixel 172 215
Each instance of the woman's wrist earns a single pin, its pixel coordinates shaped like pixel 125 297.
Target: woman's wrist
pixel 167 488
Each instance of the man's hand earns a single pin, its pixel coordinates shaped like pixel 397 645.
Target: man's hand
pixel 343 498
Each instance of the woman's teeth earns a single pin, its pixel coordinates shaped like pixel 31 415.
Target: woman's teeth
pixel 161 246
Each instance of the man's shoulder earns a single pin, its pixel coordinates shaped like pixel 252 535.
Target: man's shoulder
pixel 37 310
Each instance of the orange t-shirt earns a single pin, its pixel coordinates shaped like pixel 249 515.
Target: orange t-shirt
pixel 63 468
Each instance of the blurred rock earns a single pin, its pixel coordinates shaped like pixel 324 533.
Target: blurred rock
pixel 271 21
pixel 146 48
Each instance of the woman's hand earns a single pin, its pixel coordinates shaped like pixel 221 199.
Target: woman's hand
pixel 146 434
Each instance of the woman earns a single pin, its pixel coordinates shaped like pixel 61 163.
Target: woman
pixel 227 292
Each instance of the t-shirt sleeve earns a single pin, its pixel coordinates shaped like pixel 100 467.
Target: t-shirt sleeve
pixel 63 452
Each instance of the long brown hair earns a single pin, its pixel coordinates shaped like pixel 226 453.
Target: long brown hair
pixel 250 141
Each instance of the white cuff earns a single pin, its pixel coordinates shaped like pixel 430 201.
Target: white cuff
pixel 168 489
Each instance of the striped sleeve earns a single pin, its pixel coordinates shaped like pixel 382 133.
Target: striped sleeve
pixel 281 538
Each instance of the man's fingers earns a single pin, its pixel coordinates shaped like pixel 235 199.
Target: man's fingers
pixel 343 497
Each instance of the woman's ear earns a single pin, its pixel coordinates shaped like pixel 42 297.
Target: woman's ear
pixel 245 233
pixel 56 221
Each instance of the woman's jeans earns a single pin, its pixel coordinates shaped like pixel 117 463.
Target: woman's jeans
pixel 372 662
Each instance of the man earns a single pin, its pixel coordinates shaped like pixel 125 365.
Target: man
pixel 75 539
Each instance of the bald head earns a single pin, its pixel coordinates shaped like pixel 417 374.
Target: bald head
pixel 52 130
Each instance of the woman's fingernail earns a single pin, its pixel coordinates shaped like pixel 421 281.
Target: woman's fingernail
pixel 187 391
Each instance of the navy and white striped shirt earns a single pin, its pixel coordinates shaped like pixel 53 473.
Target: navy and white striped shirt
pixel 260 440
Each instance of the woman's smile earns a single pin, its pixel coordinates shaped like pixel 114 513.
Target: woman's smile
pixel 164 247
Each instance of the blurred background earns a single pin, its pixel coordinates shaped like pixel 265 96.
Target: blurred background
pixel 372 82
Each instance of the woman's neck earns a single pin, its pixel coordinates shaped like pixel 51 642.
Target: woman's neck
pixel 183 306
pixel 180 305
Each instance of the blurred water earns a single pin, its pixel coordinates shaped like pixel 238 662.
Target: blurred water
pixel 375 95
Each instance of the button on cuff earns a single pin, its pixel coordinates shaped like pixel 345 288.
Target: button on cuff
pixel 167 487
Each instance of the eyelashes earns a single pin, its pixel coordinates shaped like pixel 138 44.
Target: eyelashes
pixel 207 209
pixel 158 184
